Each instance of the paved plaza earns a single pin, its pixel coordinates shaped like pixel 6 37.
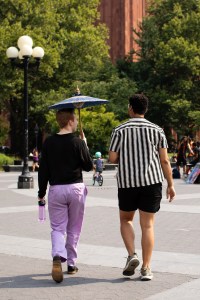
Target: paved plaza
pixel 25 248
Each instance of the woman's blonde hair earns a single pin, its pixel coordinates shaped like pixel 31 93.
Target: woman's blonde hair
pixel 63 116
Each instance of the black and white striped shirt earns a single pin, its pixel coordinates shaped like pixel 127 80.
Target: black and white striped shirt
pixel 137 142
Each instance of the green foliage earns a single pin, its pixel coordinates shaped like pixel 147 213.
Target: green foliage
pixel 168 66
pixel 76 53
pixel 108 85
pixel 66 31
pixel 195 115
pixel 6 160
pixel 97 125
pixel 74 45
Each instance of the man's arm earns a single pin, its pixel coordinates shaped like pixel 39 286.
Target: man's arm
pixel 166 167
pixel 113 157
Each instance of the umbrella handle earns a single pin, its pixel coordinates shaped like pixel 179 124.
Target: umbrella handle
pixel 82 135
pixel 79 116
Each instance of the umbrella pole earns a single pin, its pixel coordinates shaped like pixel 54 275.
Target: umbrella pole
pixel 79 117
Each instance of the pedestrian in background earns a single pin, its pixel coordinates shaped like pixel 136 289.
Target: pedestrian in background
pixel 63 158
pixel 35 159
pixel 140 149
pixel 190 155
pixel 183 148
pixel 196 157
pixel 97 166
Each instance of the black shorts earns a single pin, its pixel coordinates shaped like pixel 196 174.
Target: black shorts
pixel 146 198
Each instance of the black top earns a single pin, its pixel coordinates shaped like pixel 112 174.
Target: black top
pixel 62 161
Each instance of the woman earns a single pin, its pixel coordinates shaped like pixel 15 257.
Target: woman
pixel 184 146
pixel 35 159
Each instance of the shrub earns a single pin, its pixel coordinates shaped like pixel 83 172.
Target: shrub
pixel 6 160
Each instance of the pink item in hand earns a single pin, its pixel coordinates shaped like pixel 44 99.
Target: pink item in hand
pixel 41 212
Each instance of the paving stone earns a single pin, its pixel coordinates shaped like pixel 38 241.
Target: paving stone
pixel 26 278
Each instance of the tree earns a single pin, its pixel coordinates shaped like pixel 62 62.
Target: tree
pixel 107 84
pixel 98 125
pixel 168 65
pixel 74 44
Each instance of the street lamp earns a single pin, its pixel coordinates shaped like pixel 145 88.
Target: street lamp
pixel 36 130
pixel 25 43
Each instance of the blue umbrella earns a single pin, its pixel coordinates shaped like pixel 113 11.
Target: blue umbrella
pixel 78 101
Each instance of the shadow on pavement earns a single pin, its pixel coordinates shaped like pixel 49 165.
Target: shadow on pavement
pixel 45 280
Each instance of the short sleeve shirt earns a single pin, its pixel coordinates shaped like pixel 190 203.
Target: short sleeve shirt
pixel 137 142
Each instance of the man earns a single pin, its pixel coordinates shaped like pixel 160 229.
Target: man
pixel 64 156
pixel 140 149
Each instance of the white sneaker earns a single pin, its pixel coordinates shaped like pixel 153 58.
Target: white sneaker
pixel 131 264
pixel 146 274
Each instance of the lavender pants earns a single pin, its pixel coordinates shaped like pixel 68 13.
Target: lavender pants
pixel 66 205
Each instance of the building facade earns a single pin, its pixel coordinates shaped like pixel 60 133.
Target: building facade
pixel 121 16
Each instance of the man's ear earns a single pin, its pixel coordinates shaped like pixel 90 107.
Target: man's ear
pixel 130 107
pixel 70 122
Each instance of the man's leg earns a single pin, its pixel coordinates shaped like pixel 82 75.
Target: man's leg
pixel 127 232
pixel 128 236
pixel 147 227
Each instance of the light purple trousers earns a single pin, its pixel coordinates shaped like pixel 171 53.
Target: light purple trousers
pixel 66 204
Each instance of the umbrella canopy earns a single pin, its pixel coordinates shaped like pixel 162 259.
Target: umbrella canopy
pixel 78 101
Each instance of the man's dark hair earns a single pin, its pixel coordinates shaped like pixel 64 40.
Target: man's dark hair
pixel 139 103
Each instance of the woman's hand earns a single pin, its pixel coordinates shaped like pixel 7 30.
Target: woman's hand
pixel 82 136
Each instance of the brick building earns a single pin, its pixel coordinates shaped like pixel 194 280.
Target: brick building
pixel 121 16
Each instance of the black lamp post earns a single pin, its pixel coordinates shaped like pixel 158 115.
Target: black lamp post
pixel 36 130
pixel 25 43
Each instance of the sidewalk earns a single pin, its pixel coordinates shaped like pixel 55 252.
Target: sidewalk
pixel 25 258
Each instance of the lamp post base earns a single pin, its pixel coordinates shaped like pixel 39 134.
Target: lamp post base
pixel 25 182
